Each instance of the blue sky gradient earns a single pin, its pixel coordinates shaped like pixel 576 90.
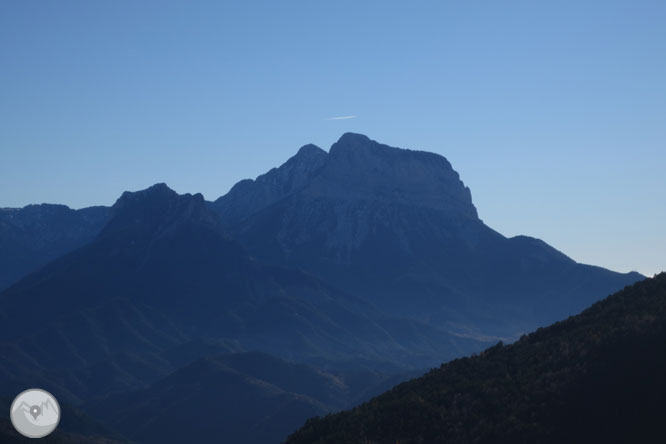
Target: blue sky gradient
pixel 554 113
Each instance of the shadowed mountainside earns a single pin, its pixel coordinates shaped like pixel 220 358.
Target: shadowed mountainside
pixel 241 398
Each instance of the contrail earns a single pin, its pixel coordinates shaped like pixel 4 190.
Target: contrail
pixel 341 118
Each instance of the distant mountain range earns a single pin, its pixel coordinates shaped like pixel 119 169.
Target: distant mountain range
pixel 32 236
pixel 342 271
pixel 595 377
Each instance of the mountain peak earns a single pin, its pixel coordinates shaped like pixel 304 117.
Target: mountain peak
pixel 310 150
pixel 354 138
pixel 365 149
pixel 159 186
pixel 353 142
pixel 272 186
pixel 157 191
pixel 308 159
pixel 158 209
pixel 364 167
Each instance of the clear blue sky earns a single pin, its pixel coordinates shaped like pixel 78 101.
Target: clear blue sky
pixel 553 112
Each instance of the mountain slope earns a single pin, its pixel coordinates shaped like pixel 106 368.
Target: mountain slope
pixel 595 377
pixel 253 398
pixel 34 235
pixel 399 229
pixel 241 398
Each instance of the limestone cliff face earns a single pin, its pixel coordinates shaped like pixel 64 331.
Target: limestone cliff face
pixel 361 169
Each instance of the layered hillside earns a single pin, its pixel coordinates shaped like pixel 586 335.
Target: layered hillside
pixel 241 398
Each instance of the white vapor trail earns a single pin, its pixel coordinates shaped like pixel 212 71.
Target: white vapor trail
pixel 341 118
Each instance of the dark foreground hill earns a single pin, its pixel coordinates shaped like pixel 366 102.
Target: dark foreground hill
pixel 596 377
pixel 398 228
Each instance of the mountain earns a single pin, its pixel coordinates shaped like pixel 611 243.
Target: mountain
pixel 34 235
pixel 398 228
pixel 313 287
pixel 116 313
pixel 595 377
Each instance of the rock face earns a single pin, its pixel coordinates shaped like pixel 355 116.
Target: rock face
pixel 32 236
pixel 398 228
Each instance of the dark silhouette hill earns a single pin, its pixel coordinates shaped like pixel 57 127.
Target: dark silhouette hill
pixel 398 228
pixel 595 377
pixel 34 235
